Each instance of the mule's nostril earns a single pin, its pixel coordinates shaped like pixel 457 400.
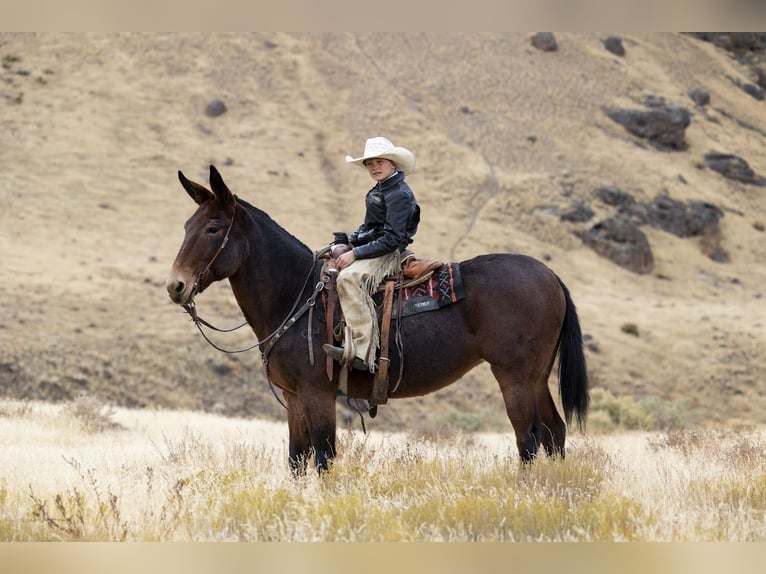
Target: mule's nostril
pixel 175 289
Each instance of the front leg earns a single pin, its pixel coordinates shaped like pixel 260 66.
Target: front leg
pixel 300 439
pixel 319 409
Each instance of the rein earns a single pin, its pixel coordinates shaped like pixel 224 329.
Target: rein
pixel 191 309
pixel 289 321
pixel 272 338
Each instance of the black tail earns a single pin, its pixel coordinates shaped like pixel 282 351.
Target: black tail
pixel 573 375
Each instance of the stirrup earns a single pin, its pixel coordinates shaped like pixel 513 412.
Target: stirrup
pixel 349 352
pixel 340 354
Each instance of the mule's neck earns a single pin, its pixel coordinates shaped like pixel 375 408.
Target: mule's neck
pixel 273 275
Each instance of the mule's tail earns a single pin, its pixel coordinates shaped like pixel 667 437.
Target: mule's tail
pixel 573 375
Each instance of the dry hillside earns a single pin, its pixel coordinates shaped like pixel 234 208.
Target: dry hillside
pixel 507 137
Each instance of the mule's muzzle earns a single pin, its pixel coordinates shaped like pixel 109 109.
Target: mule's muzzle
pixel 180 292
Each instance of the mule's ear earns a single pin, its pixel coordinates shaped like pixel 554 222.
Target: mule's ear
pixel 221 191
pixel 198 193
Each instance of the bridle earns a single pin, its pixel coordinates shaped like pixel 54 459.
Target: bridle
pixel 203 274
pixel 191 307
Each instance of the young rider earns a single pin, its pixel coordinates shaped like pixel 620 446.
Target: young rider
pixel 390 222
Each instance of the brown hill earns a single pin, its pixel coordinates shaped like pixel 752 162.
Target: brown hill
pixel 507 138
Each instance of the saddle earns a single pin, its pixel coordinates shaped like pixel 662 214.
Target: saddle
pixel 414 271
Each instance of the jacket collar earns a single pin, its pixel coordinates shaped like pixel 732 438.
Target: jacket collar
pixel 392 181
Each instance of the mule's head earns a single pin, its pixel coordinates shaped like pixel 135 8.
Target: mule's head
pixel 214 247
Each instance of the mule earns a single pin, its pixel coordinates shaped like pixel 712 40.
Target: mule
pixel 516 314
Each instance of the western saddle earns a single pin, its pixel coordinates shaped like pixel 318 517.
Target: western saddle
pixel 414 271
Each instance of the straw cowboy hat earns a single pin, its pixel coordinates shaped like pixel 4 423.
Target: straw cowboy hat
pixel 381 147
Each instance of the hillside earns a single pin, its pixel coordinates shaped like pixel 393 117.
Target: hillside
pixel 94 128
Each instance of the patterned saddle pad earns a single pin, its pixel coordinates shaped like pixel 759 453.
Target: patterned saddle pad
pixel 444 287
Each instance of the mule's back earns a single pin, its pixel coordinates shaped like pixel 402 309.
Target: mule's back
pixel 512 299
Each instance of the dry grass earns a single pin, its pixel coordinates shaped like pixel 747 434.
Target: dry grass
pixel 172 476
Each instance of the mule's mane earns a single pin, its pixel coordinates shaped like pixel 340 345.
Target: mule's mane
pixel 270 227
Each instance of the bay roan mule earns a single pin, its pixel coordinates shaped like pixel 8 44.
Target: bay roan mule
pixel 516 314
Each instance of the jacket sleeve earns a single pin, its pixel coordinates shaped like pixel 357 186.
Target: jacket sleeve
pixel 353 239
pixel 394 234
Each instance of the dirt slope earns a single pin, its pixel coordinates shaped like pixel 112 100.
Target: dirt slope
pixel 95 127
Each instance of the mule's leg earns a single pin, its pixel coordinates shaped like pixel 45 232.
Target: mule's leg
pixel 300 439
pixel 554 430
pixel 520 405
pixel 319 411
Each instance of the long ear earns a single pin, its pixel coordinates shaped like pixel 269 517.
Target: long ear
pixel 221 191
pixel 198 193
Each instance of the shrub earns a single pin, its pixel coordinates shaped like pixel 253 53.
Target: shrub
pixel 630 329
pixel 92 415
pixel 459 421
pixel 667 415
pixel 15 409
pixel 609 413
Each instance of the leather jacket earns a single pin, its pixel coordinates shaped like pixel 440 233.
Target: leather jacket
pixel 390 221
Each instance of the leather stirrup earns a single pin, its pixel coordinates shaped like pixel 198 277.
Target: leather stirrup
pixel 379 394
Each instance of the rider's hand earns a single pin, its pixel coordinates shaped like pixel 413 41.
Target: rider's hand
pixel 345 260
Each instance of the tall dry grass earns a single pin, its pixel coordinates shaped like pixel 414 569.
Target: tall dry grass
pixel 88 472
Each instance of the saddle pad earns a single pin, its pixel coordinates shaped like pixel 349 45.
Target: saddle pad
pixel 443 288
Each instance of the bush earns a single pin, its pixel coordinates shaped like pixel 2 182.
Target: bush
pixel 670 415
pixel 92 415
pixel 630 329
pixel 610 413
pixel 459 421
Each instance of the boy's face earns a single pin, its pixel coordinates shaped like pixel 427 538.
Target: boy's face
pixel 380 168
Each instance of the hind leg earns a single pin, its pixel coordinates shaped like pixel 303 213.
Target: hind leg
pixel 521 407
pixel 553 427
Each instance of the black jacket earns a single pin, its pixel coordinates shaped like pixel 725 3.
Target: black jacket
pixel 391 219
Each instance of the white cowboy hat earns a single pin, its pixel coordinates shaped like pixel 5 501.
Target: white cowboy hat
pixel 381 147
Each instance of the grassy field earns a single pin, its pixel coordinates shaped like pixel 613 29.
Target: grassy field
pixel 85 471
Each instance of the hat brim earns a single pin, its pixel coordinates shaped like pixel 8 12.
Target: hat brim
pixel 402 157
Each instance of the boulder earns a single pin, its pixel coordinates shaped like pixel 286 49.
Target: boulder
pixel 619 239
pixel 215 107
pixel 614 45
pixel 545 41
pixel 700 96
pixel 664 125
pixel 614 196
pixel 682 220
pixel 733 167
pixel 578 212
pixel 760 77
